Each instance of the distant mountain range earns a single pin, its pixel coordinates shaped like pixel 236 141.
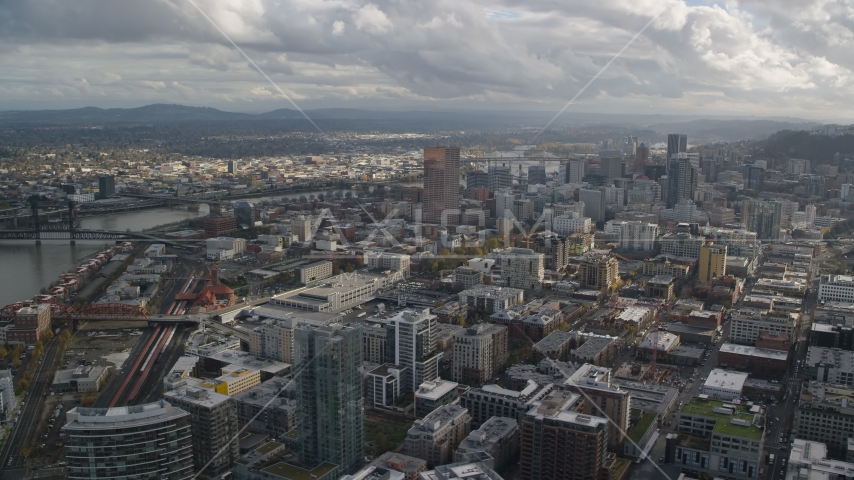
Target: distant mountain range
pixel 700 129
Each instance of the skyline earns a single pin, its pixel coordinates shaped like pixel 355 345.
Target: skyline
pixel 709 58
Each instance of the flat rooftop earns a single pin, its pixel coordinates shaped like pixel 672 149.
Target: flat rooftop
pixel 724 424
pixel 841 359
pixel 279 312
pixel 593 346
pixel 248 361
pixel 293 472
pixel 81 418
pixel 197 396
pixel 649 398
pixel 753 351
pixel 438 418
pixel 720 378
pixel 261 395
pixel 435 390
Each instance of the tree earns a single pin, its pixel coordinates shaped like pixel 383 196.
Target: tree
pixel 3 351
pixel 47 335
pixel 16 362
pixel 65 335
pixel 23 384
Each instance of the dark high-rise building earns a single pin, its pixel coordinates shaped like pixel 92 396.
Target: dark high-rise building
pixel 476 179
pixel 710 167
pixel 641 157
pixel 676 143
pixel 571 171
pixel 754 178
pixel 537 175
pixel 106 186
pixel 611 167
pixel 594 203
pixel 499 177
pixel 213 421
pixel 815 186
pixel 560 444
pixel 441 184
pixel 655 171
pixel 763 218
pixel 231 166
pixel 330 396
pixel 245 213
pixel 832 336
pixel 681 181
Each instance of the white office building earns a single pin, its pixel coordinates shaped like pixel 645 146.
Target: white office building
pixel 724 384
pixel 413 335
pixel 637 236
pixel 397 262
pixel 746 325
pixel 520 267
pixel 224 248
pixel 571 222
pixel 682 245
pixel 836 288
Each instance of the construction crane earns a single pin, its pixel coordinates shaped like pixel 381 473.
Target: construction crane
pixel 655 326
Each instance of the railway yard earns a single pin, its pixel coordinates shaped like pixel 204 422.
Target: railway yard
pixel 129 357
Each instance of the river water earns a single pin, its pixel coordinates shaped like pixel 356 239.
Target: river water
pixel 26 268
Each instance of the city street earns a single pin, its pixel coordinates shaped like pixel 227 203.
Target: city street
pixel 29 416
pixel 784 410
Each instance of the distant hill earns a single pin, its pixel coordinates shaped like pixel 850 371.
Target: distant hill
pixel 700 129
pixel 816 148
pixel 157 113
pixel 710 131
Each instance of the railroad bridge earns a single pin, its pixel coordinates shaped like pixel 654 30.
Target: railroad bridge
pixel 101 312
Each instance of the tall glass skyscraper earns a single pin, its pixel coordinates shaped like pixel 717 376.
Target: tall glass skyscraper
pixel 676 143
pixel 330 396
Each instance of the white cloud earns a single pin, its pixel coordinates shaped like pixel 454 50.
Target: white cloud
pixel 372 20
pixel 337 28
pixel 773 57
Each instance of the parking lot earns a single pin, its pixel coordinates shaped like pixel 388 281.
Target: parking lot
pixel 105 344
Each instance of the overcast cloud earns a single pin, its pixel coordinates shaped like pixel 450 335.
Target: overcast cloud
pixel 756 57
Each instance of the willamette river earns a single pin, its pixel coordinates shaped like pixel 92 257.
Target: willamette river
pixel 26 268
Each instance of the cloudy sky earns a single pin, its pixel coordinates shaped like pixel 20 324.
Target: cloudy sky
pixel 755 57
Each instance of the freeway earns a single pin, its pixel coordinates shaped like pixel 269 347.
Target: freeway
pixel 29 416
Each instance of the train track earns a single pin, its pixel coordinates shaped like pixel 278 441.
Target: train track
pixel 129 373
pixel 153 357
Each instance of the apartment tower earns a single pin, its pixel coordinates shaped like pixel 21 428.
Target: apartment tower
pixel 712 262
pixel 330 396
